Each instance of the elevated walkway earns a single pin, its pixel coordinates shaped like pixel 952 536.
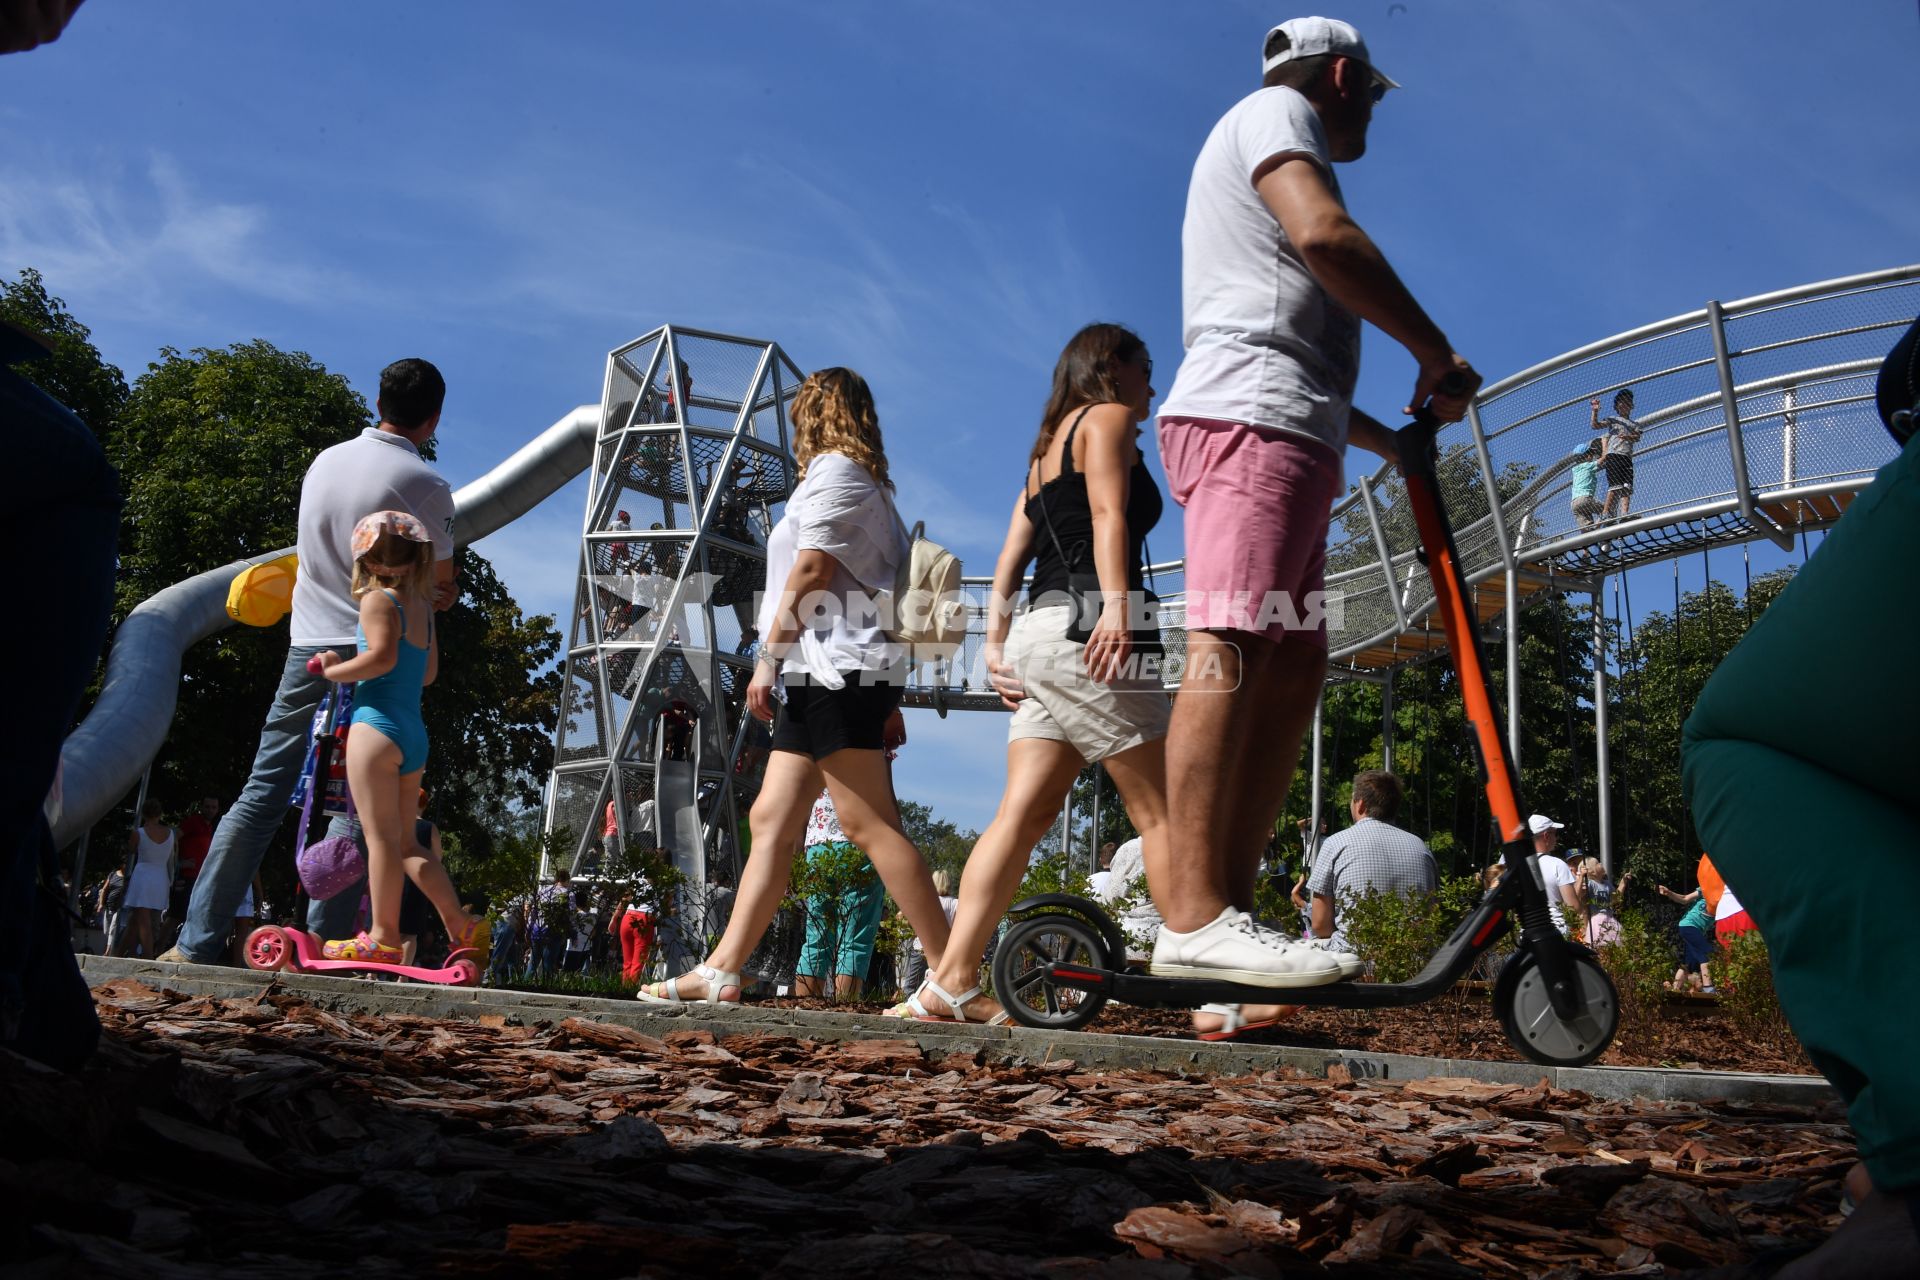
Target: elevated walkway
pixel 1758 422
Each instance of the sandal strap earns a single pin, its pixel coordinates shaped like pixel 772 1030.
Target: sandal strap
pixel 717 980
pixel 956 1004
pixel 1231 1018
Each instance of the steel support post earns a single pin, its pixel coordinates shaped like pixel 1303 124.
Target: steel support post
pixel 1093 846
pixel 1602 760
pixel 1736 445
pixel 1513 664
pixel 1319 737
pixel 1386 722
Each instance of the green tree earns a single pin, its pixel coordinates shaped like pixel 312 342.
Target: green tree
pixel 73 371
pixel 212 446
pixel 943 844
pixel 489 717
pixel 1664 664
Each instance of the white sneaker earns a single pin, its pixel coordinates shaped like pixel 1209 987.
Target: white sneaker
pixel 1350 964
pixel 1233 948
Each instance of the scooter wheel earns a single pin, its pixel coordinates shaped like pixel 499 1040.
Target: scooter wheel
pixel 1021 963
pixel 1527 1016
pixel 268 947
pixel 468 973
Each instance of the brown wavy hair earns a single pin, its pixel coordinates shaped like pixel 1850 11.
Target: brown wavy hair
pixel 1084 375
pixel 833 413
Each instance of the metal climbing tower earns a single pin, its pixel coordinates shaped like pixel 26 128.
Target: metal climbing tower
pixel 691 466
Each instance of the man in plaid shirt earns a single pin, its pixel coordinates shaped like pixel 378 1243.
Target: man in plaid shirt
pixel 1370 854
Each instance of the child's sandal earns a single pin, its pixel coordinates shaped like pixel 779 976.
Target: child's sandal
pixel 361 947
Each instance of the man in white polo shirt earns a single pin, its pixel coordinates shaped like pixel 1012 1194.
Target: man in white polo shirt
pixel 1555 874
pixel 379 470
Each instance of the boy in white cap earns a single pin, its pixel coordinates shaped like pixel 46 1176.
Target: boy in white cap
pixel 1555 875
pixel 1276 280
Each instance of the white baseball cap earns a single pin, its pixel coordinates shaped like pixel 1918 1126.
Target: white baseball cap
pixel 1541 822
pixel 1311 37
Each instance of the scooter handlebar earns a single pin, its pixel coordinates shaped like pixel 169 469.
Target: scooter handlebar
pixel 313 665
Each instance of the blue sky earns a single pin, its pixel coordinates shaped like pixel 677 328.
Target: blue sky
pixel 937 194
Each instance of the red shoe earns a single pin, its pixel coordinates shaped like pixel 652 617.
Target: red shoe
pixel 361 947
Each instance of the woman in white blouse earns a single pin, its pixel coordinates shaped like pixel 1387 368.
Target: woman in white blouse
pixel 828 678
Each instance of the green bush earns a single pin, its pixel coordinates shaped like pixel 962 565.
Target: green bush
pixel 1745 976
pixel 1399 933
pixel 1051 874
pixel 1640 962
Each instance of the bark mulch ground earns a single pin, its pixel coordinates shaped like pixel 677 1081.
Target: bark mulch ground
pixel 264 1137
pixel 1693 1033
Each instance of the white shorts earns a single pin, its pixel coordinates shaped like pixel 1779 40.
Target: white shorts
pixel 1065 704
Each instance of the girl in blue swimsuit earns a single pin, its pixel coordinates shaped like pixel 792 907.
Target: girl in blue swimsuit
pixel 387 746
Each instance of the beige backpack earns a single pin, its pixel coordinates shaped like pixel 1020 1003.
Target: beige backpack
pixel 929 610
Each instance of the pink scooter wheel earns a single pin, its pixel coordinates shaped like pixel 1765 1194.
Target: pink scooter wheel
pixel 268 947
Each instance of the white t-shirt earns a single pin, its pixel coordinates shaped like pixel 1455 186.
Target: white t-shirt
pixel 375 471
pixel 1554 872
pixel 840 509
pixel 1265 343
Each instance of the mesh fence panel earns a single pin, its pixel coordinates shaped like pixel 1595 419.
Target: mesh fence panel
pixel 719 376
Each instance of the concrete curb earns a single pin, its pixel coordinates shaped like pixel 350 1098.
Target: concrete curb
pixel 1089 1049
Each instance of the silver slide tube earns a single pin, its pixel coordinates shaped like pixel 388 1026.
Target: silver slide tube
pixel 107 753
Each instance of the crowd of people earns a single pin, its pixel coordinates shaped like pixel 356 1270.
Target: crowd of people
pixel 1277 277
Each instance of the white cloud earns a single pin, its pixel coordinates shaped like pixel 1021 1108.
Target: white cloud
pixel 143 246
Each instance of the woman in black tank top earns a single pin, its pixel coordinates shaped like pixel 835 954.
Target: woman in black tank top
pixel 1078 696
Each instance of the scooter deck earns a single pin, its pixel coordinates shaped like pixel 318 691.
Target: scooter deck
pixel 1148 990
pixel 300 953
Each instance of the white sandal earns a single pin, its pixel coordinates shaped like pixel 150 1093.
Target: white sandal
pixel 956 1003
pixel 717 980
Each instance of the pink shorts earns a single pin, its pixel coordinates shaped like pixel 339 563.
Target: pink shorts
pixel 1257 504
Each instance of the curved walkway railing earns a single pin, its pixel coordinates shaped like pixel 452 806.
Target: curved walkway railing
pixel 1758 420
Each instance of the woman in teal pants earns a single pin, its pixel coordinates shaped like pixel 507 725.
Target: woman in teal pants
pixel 1811 727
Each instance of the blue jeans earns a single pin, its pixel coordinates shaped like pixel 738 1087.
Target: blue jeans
pixel 241 839
pixel 840 931
pixel 505 949
pixel 546 953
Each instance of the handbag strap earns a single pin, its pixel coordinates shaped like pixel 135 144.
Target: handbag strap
pixel 1045 514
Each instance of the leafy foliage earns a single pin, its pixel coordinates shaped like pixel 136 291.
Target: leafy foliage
pixel 943 844
pixel 1399 932
pixel 211 447
pixel 1053 872
pixel 73 372
pixel 1640 962
pixel 1745 971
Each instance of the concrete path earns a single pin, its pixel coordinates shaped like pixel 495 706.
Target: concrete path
pixel 1088 1049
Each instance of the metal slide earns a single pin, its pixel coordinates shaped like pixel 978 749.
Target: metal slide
pixel 104 757
pixel 677 811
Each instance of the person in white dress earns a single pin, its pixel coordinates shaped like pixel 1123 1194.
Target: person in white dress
pixel 152 851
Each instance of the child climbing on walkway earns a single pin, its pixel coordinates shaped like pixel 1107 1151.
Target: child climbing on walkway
pixel 387 745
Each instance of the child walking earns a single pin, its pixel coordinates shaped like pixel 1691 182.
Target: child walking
pixel 387 746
